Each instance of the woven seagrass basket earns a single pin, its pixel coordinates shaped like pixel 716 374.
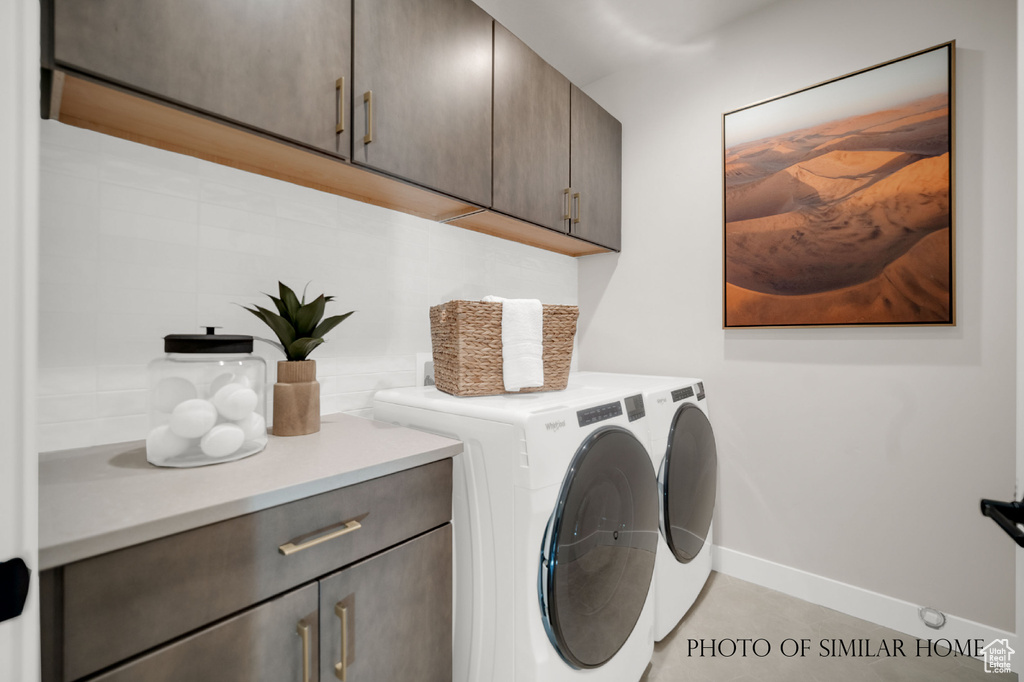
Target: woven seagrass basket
pixel 466 336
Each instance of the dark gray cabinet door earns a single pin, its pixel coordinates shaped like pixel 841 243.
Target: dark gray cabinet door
pixel 275 66
pixel 393 612
pixel 427 64
pixel 596 169
pixel 273 642
pixel 531 134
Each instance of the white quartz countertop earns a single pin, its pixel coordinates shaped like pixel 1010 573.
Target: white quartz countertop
pixel 99 499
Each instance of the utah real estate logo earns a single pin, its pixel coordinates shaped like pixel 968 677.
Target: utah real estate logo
pixel 997 656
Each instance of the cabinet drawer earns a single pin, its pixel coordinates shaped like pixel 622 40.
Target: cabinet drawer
pixel 262 644
pixel 125 602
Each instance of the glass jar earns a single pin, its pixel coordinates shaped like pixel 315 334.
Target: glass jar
pixel 207 401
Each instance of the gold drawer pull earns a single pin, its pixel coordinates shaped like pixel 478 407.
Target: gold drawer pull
pixel 579 208
pixel 368 101
pixel 340 86
pixel 303 631
pixel 290 548
pixel 566 203
pixel 341 669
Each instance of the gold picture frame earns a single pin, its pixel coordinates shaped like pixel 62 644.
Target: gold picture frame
pixel 838 200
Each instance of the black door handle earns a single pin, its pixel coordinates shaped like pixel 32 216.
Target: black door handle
pixel 1007 515
pixel 14 579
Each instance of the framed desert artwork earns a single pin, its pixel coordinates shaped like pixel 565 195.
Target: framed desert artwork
pixel 838 206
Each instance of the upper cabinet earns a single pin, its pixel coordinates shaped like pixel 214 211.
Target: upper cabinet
pixel 557 153
pixel 436 109
pixel 279 67
pixel 531 135
pixel 422 89
pixel 596 171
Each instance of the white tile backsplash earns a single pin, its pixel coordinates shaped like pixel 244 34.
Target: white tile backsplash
pixel 137 243
pixel 148 202
pixel 51 381
pixel 66 408
pixel 121 377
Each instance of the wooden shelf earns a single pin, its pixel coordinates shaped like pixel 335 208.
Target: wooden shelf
pixel 500 225
pixel 88 104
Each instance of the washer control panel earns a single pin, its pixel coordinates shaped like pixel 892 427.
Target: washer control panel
pixel 682 394
pixel 635 407
pixel 592 415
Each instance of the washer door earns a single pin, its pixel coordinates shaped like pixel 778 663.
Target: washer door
pixel 688 482
pixel 598 557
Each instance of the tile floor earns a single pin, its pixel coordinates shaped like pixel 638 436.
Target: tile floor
pixel 732 609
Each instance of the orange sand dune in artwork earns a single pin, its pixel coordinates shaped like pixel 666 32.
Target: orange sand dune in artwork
pixel 914 288
pixel 820 248
pixel 837 223
pixel 823 179
pixel 909 121
pixel 925 183
pixel 737 172
pixel 919 127
pixel 840 164
pixel 929 137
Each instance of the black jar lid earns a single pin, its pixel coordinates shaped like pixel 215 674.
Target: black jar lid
pixel 207 343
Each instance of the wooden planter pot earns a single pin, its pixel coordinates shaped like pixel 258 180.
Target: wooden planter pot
pixel 296 398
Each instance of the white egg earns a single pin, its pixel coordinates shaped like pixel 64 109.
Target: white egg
pixel 162 443
pixel 235 401
pixel 223 380
pixel 219 382
pixel 193 418
pixel 222 440
pixel 254 426
pixel 172 391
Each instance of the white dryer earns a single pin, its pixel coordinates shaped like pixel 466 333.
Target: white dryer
pixel 555 513
pixel 682 443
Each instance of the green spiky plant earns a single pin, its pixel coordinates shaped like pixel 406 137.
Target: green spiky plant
pixel 299 325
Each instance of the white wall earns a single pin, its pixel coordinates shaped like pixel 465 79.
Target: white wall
pixel 858 455
pixel 137 243
pixel 19 74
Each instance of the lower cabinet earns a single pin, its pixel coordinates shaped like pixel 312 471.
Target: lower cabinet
pixel 385 618
pixel 263 644
pixel 389 618
pixel 352 584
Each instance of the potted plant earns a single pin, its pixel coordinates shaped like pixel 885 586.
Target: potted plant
pixel 300 327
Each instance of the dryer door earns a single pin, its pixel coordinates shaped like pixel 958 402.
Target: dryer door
pixel 688 482
pixel 598 557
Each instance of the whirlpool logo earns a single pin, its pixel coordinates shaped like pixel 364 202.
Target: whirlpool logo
pixel 555 426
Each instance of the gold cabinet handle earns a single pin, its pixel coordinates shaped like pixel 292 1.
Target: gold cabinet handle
pixel 340 85
pixel 290 548
pixel 579 207
pixel 566 203
pixel 303 630
pixel 341 669
pixel 368 101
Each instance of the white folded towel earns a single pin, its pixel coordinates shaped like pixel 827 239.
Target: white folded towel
pixel 522 342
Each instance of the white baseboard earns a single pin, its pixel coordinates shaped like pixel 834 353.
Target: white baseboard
pixel 871 606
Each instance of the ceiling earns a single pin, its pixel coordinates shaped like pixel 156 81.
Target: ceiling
pixel 589 39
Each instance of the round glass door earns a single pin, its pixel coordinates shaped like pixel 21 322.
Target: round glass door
pixel 688 482
pixel 599 551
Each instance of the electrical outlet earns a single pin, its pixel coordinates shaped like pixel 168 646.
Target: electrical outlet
pixel 424 369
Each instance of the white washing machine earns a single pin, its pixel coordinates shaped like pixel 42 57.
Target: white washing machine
pixel 555 513
pixel 686 459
